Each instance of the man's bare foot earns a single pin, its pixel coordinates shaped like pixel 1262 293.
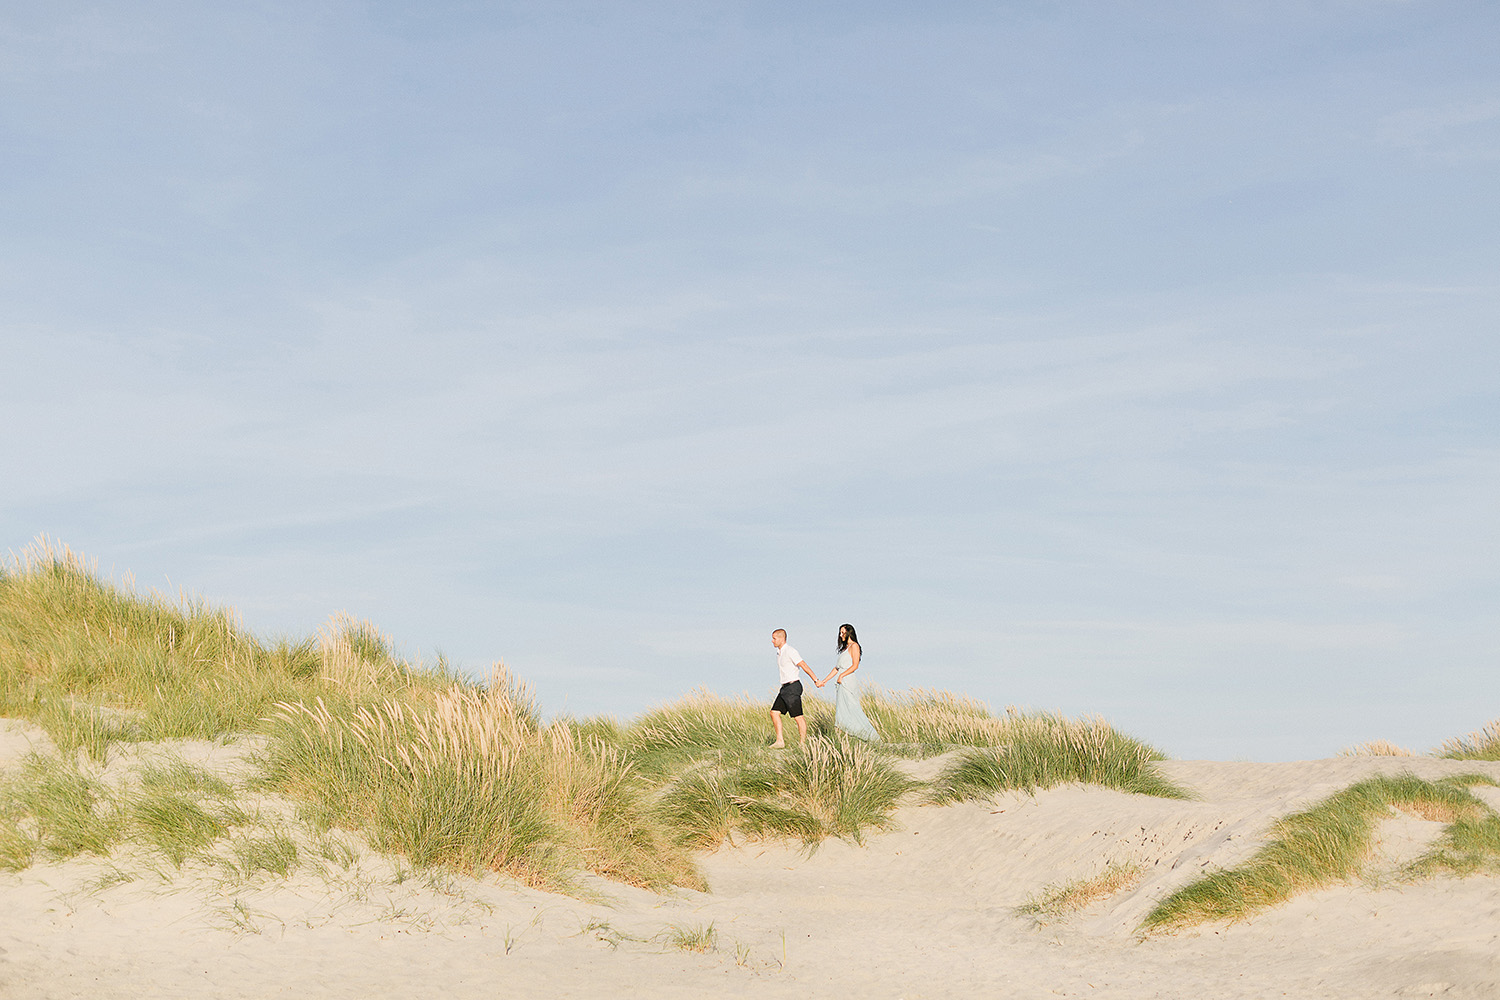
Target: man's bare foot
pixel 778 746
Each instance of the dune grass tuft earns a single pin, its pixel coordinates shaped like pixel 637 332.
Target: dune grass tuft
pixel 90 728
pixel 700 939
pixel 1057 901
pixel 842 785
pixel 1481 745
pixel 927 722
pixel 276 854
pixel 1469 846
pixel 671 737
pixel 176 825
pixel 475 782
pixel 1376 748
pixel 63 811
pixel 1031 752
pixel 829 788
pixel 1315 848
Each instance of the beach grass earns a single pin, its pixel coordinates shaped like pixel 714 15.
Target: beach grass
pixel 924 722
pixel 56 807
pixel 1032 752
pixel 1318 847
pixel 1469 846
pixel 1376 748
pixel 177 825
pixel 838 787
pixel 1057 901
pixel 697 938
pixel 54 810
pixel 441 770
pixel 274 853
pixel 668 739
pixel 1483 744
pixel 93 663
pixel 475 782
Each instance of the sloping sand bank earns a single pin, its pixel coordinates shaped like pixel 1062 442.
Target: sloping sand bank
pixel 925 910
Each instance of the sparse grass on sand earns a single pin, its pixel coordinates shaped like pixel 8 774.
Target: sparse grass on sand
pixel 1481 745
pixel 54 808
pixel 1057 901
pixel 700 938
pixel 1376 748
pixel 1330 842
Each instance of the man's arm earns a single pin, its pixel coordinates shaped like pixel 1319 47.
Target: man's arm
pixel 808 670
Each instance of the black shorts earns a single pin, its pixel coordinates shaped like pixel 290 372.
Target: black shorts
pixel 789 699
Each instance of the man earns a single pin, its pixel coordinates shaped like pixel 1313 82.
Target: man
pixel 789 698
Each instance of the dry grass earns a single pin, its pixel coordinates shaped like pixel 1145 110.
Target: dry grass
pixel 1376 748
pixel 935 720
pixel 475 782
pixel 1481 745
pixel 1057 901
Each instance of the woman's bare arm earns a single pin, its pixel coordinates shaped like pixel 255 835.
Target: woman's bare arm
pixel 854 660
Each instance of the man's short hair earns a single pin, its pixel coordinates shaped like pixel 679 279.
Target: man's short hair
pixel 781 632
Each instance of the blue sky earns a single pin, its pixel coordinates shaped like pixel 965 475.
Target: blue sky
pixel 1137 359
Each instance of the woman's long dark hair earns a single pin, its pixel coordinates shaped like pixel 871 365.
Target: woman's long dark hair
pixel 846 636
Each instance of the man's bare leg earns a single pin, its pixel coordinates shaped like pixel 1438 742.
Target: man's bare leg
pixel 802 728
pixel 776 721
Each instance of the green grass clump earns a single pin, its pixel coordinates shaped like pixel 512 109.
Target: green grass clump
pixel 89 728
pixel 701 806
pixel 702 726
pixel 1318 847
pixel 1481 745
pixel 699 939
pixel 1033 752
pixel 52 808
pixel 17 848
pixel 176 775
pixel 176 825
pixel 275 854
pixel 1470 846
pixel 829 788
pixel 59 810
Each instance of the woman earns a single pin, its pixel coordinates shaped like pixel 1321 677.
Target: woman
pixel 847 714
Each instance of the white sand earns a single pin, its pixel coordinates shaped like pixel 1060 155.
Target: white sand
pixel 926 910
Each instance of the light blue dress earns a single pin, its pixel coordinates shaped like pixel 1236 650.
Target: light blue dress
pixel 847 713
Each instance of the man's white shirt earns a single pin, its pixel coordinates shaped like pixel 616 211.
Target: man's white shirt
pixel 787 659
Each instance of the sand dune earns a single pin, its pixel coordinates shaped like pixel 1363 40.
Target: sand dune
pixel 927 909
